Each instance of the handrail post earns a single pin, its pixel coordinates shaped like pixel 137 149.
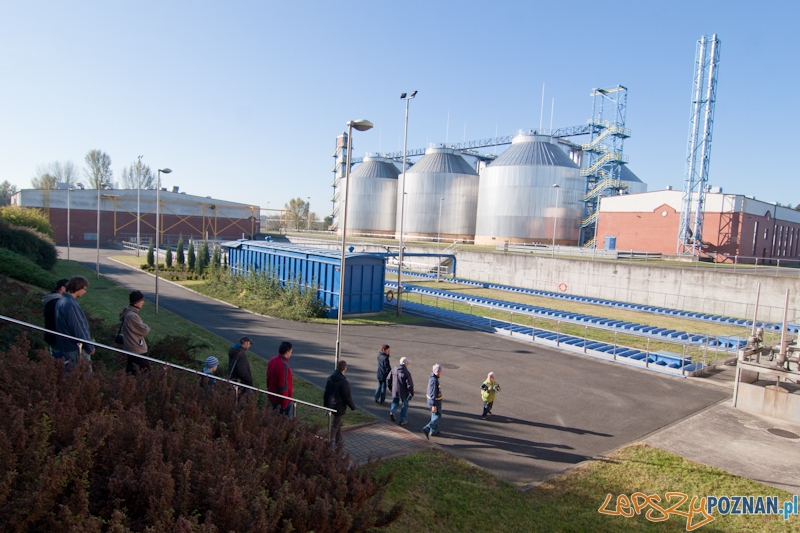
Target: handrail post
pixel 614 355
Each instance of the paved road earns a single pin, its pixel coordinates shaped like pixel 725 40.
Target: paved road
pixel 555 410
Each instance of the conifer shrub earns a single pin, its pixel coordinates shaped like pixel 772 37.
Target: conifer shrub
pixel 179 255
pixel 191 258
pixel 168 256
pixel 151 258
pixel 105 451
pixel 27 217
pixel 30 243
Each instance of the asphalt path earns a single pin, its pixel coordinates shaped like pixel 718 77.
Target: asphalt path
pixel 556 409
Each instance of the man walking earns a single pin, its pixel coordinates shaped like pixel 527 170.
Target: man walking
pixel 402 386
pixel 279 380
pixel 384 368
pixel 434 402
pixel 337 396
pixel 238 364
pixel 49 301
pixel 133 333
pixel 70 320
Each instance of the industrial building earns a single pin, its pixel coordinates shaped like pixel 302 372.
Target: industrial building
pixel 736 227
pixel 181 215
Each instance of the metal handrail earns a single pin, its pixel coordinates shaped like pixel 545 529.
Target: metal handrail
pixel 160 362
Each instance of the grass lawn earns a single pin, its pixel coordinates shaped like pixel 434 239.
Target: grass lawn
pixel 443 494
pixel 106 300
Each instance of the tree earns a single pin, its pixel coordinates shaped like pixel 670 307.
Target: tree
pixel 44 181
pixel 328 221
pixel 65 172
pixel 151 260
pixel 191 257
pixel 6 192
pixel 168 257
pixel 138 171
pixel 216 259
pixel 99 168
pixel 179 252
pixel 297 213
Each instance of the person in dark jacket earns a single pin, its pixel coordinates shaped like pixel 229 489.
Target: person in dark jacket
pixel 49 301
pixel 134 331
pixel 70 320
pixel 402 386
pixel 337 396
pixel 280 381
pixel 434 402
pixel 238 364
pixel 384 368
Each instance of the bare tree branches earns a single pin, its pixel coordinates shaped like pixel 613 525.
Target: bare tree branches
pixel 49 175
pixel 140 172
pixel 99 168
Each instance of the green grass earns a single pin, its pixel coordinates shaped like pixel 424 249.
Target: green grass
pixel 443 494
pixel 106 300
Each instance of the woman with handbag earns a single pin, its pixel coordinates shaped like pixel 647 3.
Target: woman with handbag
pixel 133 331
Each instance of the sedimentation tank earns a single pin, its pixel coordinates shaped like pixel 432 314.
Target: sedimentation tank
pixel 372 205
pixel 635 185
pixel 517 199
pixel 444 180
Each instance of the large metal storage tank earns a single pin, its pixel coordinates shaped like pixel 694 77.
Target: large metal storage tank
pixel 372 205
pixel 517 200
pixel 635 185
pixel 441 173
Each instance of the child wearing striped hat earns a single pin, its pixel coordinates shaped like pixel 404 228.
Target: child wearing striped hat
pixel 209 368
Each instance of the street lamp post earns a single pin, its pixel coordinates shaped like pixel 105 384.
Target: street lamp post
pixel 402 209
pixel 439 240
pixel 360 125
pixel 308 217
pixel 138 200
pixel 69 189
pixel 158 225
pixel 555 221
pixel 100 185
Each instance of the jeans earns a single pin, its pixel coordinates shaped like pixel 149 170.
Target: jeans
pixel 289 411
pixel 487 408
pixel 380 392
pixel 71 359
pixel 433 425
pixel 403 408
pixel 336 430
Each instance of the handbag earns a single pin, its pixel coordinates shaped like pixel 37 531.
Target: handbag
pixel 118 338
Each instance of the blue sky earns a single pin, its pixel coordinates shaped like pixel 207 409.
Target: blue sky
pixel 243 100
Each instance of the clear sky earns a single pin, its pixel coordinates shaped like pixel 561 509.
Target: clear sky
pixel 243 100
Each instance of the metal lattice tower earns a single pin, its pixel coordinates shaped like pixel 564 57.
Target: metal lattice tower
pixel 604 157
pixel 704 95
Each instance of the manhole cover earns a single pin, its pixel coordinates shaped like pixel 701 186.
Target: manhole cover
pixel 451 366
pixel 783 433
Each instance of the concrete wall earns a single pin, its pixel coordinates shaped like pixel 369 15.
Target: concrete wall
pixel 690 287
pixel 772 401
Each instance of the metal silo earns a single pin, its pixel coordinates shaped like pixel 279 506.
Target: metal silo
pixel 635 185
pixel 517 200
pixel 373 196
pixel 441 173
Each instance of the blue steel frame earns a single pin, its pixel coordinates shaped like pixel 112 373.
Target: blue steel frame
pixel 315 268
pixel 698 157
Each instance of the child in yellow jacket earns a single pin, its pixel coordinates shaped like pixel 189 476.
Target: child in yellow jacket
pixel 489 390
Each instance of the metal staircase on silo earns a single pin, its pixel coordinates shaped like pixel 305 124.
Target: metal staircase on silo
pixel 604 155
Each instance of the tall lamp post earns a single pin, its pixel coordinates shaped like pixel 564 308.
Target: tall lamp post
pixel 138 200
pixel 100 186
pixel 69 189
pixel 360 125
pixel 555 221
pixel 308 217
pixel 439 240
pixel 402 209
pixel 158 226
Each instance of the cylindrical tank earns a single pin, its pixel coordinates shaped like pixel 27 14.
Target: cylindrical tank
pixel 518 201
pixel 635 185
pixel 441 196
pixel 372 204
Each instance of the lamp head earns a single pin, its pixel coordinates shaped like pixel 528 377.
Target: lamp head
pixel 556 185
pixel 413 94
pixel 360 124
pixel 403 96
pixel 165 170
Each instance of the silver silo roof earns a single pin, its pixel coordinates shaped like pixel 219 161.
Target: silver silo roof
pixel 373 196
pixel 635 185
pixel 517 200
pixel 441 173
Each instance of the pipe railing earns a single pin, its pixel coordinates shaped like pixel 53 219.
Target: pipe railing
pixel 160 362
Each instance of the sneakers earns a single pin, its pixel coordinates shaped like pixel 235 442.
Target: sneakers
pixel 403 423
pixel 377 401
pixel 427 433
pixel 392 418
pixel 483 417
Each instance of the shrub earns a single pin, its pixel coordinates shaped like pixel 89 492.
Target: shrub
pixel 22 303
pixel 168 257
pixel 215 258
pixel 151 260
pixel 27 217
pixel 110 452
pixel 28 242
pixel 191 258
pixel 23 269
pixel 179 252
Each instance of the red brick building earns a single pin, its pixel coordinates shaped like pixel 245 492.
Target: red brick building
pixel 734 225
pixel 181 214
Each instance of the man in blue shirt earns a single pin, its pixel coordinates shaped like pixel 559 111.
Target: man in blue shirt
pixel 434 395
